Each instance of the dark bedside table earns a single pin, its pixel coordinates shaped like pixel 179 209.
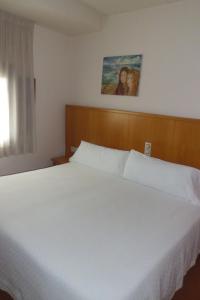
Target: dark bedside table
pixel 59 160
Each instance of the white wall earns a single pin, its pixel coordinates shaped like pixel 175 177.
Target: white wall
pixel 52 59
pixel 69 70
pixel 168 37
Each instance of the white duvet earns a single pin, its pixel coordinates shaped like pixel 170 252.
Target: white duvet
pixel 74 233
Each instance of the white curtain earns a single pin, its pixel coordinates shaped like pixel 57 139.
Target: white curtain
pixel 17 103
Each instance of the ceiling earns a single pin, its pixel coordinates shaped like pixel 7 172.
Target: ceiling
pixel 109 7
pixel 74 16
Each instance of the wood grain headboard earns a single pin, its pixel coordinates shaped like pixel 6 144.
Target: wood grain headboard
pixel 173 139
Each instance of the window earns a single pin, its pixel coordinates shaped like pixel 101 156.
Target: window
pixel 17 103
pixel 4 112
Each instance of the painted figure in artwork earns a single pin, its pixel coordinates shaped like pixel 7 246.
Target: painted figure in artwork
pixel 122 87
pixel 132 82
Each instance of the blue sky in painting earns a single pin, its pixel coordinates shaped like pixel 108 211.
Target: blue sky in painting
pixel 123 60
pixel 113 64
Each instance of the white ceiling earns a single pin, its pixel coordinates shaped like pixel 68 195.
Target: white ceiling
pixel 68 16
pixel 110 7
pixel 74 16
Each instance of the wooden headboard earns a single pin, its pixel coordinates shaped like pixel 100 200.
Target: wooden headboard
pixel 173 139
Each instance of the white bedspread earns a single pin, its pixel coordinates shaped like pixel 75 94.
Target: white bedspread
pixel 74 233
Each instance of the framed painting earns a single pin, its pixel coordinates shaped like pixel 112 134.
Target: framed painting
pixel 121 75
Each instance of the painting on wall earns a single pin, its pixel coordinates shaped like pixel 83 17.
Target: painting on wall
pixel 121 75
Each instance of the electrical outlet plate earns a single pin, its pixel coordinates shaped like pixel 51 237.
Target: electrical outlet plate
pixel 147 148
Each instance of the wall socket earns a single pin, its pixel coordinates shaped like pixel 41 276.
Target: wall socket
pixel 147 148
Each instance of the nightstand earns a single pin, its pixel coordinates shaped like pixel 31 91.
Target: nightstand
pixel 59 160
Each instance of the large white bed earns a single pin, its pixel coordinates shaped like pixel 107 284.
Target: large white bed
pixel 75 233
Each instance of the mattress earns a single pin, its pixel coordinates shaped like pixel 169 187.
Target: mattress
pixel 71 232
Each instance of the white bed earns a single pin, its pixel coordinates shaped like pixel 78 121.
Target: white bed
pixel 74 233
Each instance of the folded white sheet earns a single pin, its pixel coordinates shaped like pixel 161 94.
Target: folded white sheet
pixel 74 233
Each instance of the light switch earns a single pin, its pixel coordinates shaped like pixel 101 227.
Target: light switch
pixel 147 149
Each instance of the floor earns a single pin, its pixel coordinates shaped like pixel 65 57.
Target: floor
pixel 191 287
pixel 4 296
pixel 190 290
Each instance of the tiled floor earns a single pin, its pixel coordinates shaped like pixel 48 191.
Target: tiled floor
pixel 190 290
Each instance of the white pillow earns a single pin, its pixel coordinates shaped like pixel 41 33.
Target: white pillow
pixel 168 177
pixel 102 158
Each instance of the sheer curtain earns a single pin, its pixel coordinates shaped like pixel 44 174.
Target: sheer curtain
pixel 17 103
